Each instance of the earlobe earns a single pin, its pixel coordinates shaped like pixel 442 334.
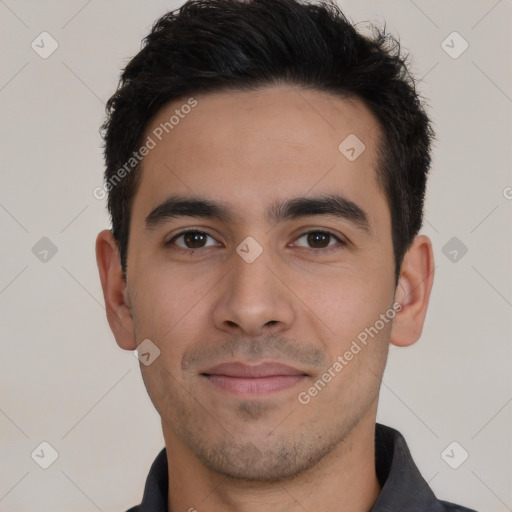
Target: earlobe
pixel 413 292
pixel 115 294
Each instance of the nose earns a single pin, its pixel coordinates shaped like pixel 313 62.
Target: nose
pixel 253 299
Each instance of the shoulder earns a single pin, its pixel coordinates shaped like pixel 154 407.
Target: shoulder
pixel 452 507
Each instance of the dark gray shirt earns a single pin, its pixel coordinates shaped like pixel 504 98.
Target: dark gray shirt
pixel 402 486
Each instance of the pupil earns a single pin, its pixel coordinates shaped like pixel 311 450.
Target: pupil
pixel 317 238
pixel 194 238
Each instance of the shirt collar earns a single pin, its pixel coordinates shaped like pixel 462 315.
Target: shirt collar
pixel 403 487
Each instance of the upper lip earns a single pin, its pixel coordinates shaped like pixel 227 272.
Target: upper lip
pixel 238 369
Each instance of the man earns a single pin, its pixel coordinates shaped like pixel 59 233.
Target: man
pixel 266 170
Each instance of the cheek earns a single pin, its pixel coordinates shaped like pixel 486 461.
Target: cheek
pixel 172 307
pixel 359 315
pixel 163 297
pixel 346 301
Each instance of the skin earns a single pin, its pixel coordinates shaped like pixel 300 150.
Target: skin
pixel 297 303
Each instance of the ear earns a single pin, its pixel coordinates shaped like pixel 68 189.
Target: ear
pixel 413 292
pixel 117 304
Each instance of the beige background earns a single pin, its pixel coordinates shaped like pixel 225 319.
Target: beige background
pixel 63 379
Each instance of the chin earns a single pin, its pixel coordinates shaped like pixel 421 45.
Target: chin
pixel 246 461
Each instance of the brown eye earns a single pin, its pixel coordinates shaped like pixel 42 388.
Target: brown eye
pixel 190 240
pixel 194 239
pixel 320 240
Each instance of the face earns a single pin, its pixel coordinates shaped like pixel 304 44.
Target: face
pixel 254 299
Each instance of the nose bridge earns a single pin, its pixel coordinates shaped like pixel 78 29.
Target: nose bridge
pixel 253 297
pixel 251 276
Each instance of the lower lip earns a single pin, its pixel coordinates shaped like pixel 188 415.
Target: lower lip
pixel 250 386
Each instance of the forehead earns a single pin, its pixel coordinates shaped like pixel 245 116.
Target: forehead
pixel 251 148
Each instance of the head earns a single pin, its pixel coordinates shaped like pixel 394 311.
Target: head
pixel 233 45
pixel 256 116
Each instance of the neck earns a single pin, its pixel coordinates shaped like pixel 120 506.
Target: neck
pixel 345 479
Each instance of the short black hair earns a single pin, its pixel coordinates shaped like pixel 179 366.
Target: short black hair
pixel 214 45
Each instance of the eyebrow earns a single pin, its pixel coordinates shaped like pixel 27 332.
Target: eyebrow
pixel 331 205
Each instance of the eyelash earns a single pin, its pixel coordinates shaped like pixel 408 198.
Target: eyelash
pixel 329 249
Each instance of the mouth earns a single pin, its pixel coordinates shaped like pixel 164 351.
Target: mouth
pixel 253 380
